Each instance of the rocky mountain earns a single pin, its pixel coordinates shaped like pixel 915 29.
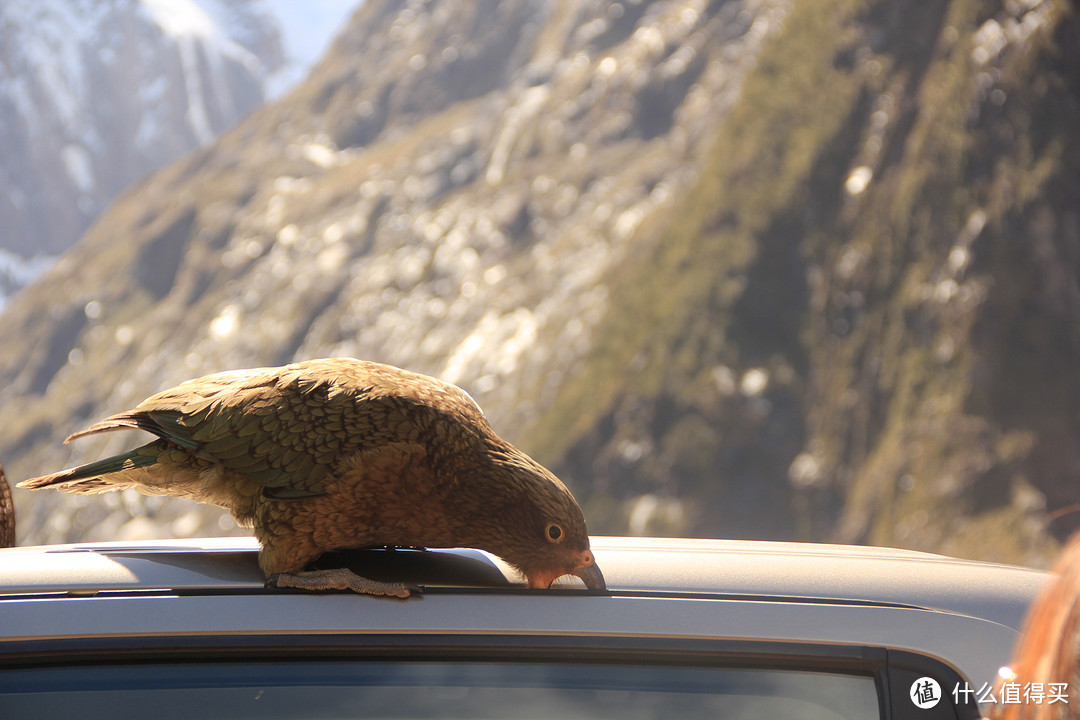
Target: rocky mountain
pixel 96 95
pixel 748 268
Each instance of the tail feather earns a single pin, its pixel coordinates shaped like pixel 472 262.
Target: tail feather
pixel 92 477
pixel 119 422
pixel 166 424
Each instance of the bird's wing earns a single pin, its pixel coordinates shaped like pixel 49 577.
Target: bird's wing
pixel 282 429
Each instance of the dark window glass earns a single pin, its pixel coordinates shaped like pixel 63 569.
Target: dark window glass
pixel 431 690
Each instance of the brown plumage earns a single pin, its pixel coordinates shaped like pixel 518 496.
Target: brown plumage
pixel 7 513
pixel 341 453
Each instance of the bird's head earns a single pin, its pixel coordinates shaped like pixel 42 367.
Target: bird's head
pixel 540 527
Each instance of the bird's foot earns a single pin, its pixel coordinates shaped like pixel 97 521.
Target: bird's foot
pixel 339 579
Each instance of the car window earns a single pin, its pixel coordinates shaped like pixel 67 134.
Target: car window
pixel 395 689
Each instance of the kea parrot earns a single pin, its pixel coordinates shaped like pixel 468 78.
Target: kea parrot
pixel 340 453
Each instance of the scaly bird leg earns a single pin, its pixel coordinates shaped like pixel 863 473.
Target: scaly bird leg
pixel 339 579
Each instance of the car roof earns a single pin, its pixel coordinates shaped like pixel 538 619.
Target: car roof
pixel 788 570
pixel 965 613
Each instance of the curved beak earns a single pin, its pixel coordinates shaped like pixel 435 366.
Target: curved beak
pixel 593 578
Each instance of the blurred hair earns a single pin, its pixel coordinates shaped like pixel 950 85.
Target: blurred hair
pixel 1048 648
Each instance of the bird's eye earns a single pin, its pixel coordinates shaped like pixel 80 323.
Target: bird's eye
pixel 554 532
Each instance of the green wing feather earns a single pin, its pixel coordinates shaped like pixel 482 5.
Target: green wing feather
pixel 84 478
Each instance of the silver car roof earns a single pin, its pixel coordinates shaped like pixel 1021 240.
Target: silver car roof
pixel 845 573
pixel 966 613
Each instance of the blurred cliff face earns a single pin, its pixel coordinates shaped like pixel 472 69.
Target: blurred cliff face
pixel 733 268
pixel 860 324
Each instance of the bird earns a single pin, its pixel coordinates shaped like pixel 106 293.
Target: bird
pixel 338 453
pixel 7 512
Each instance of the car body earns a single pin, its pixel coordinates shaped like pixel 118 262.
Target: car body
pixel 829 630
